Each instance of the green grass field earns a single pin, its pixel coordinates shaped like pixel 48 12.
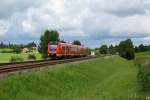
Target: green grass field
pixel 5 57
pixel 6 49
pixel 143 58
pixel 101 79
pixel 143 55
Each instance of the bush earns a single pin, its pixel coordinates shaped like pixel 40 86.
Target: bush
pixel 112 49
pixel 126 49
pixel 97 52
pixel 31 57
pixel 76 42
pixel 16 59
pixel 17 49
pixel 103 49
pixel 144 76
pixel 6 50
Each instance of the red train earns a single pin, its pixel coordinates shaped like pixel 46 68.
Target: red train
pixel 59 50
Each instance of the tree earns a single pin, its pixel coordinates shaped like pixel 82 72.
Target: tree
pixel 104 49
pixel 17 49
pixel 112 49
pixel 30 45
pixel 2 45
pixel 142 48
pixel 76 42
pixel 126 49
pixel 48 36
pixel 136 49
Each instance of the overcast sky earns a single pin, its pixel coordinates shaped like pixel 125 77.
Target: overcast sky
pixel 94 22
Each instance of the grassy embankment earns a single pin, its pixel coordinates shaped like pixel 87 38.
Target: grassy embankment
pixel 101 79
pixel 5 57
pixel 143 62
pixel 143 55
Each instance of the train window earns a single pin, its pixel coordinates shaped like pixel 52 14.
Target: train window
pixel 72 48
pixel 53 47
pixel 67 48
pixel 63 47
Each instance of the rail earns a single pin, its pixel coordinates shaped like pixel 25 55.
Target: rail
pixel 18 66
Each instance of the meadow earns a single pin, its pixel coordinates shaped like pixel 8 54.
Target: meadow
pixel 5 57
pixel 111 78
pixel 143 63
pixel 143 55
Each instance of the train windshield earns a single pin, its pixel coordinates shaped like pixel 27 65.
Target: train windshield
pixel 53 46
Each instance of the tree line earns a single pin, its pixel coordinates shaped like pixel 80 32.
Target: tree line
pixel 46 37
pixel 124 49
pixel 11 46
pixel 16 48
pixel 142 48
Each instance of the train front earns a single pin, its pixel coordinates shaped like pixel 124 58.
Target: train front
pixel 54 49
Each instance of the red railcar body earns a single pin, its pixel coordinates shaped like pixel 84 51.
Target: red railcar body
pixel 58 49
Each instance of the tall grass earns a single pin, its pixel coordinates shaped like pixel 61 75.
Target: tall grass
pixel 101 79
pixel 144 73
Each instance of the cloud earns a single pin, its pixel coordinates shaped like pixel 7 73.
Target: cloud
pixel 121 8
pixel 9 7
pixel 133 26
pixel 92 22
pixel 3 27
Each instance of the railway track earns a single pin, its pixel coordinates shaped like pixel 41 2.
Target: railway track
pixel 13 67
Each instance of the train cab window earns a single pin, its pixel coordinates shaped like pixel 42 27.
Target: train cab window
pixel 53 46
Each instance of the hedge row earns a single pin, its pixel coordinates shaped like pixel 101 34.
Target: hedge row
pixel 144 76
pixel 20 59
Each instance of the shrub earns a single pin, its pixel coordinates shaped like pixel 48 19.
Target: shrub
pixel 15 59
pixel 6 50
pixel 17 49
pixel 76 42
pixel 144 76
pixel 126 49
pixel 103 49
pixel 112 49
pixel 31 57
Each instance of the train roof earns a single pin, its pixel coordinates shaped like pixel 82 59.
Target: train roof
pixel 72 44
pixel 66 44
